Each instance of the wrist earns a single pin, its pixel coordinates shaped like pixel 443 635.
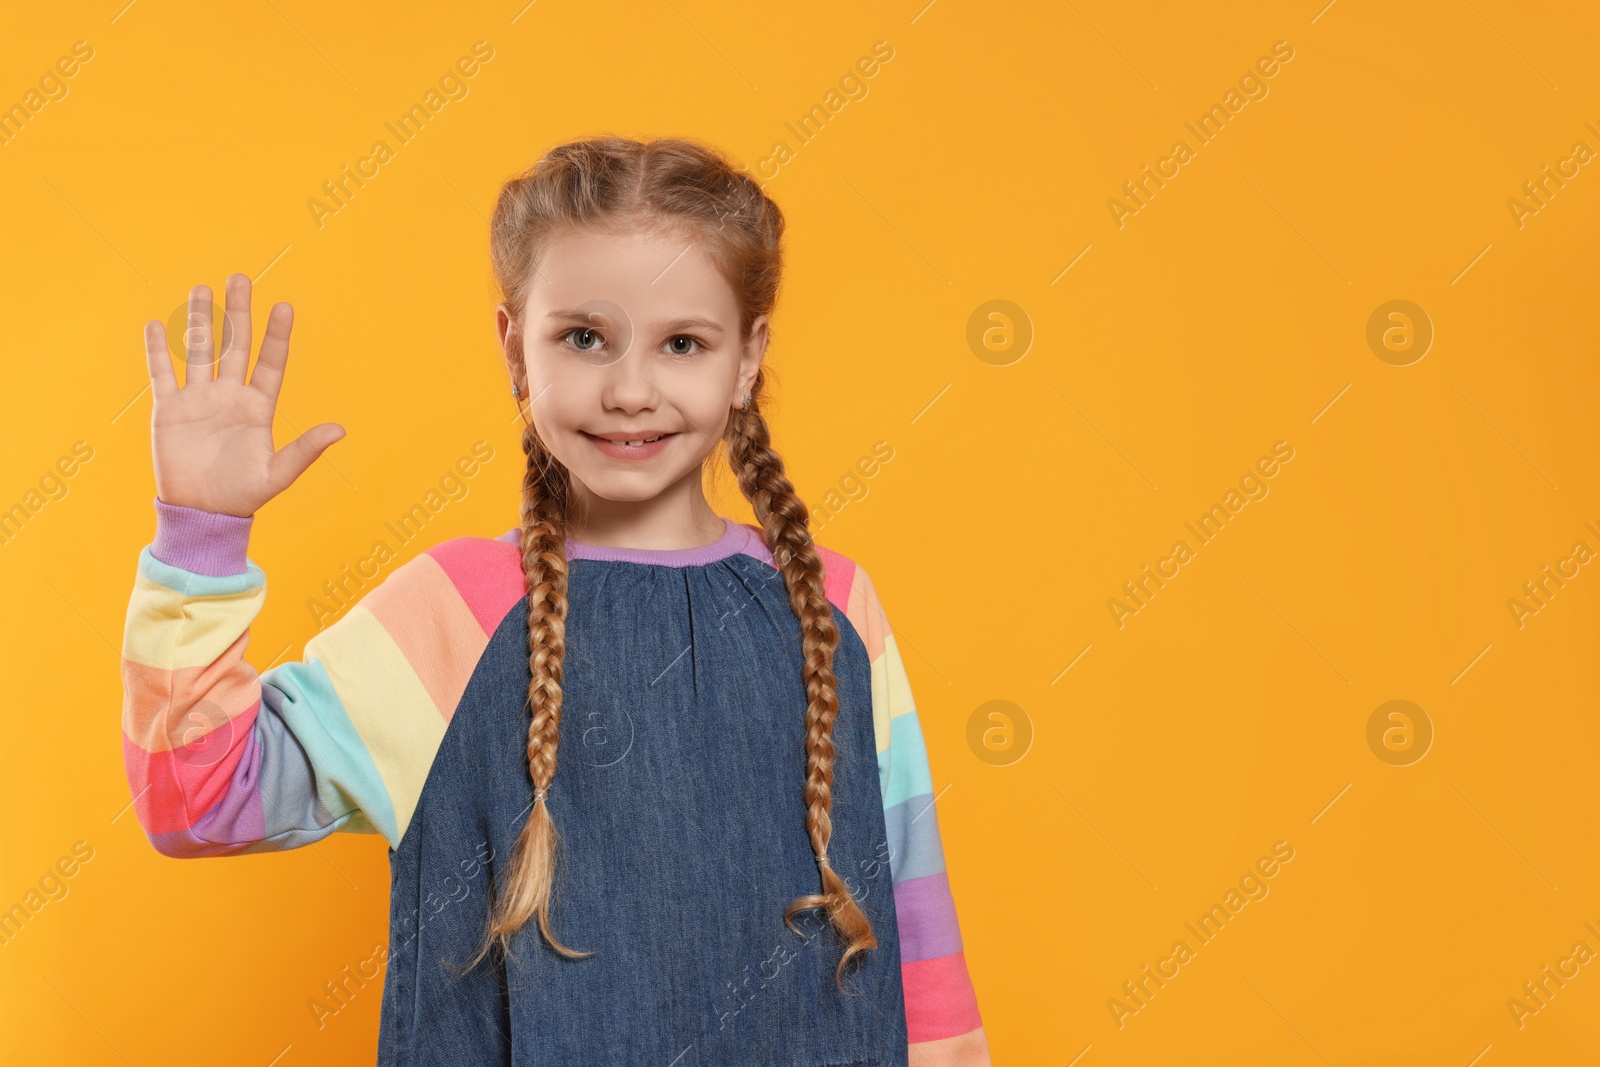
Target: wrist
pixel 205 542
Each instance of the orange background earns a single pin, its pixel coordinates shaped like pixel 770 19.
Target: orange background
pixel 1229 313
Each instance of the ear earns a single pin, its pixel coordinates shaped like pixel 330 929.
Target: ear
pixel 755 350
pixel 511 343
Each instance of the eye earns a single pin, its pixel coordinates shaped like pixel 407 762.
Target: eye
pixel 699 345
pixel 585 331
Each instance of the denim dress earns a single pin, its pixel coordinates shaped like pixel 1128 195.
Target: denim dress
pixel 678 797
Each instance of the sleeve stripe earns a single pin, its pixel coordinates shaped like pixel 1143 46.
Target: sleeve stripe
pixel 216 695
pixel 921 853
pixel 172 629
pixel 861 607
pixel 940 1001
pixel 904 771
pixel 310 716
pixel 211 779
pixel 228 784
pixel 926 915
pixel 192 584
pixel 841 578
pixel 436 632
pixel 486 574
pixel 392 711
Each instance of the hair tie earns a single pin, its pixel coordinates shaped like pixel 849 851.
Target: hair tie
pixel 539 794
pixel 822 861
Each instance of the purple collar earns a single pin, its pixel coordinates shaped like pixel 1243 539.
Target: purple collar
pixel 736 538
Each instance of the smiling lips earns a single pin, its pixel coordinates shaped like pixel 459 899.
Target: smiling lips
pixel 632 444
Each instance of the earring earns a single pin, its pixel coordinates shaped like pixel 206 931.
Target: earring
pixel 522 412
pixel 747 401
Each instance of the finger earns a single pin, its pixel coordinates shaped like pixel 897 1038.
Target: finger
pixel 236 351
pixel 268 376
pixel 291 461
pixel 162 381
pixel 198 349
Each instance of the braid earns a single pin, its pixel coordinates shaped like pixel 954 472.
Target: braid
pixel 784 520
pixel 530 878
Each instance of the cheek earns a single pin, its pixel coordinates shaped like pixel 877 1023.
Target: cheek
pixel 568 392
pixel 562 405
pixel 703 407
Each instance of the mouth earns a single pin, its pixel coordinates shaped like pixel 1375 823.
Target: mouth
pixel 626 438
pixel 631 444
pixel 631 439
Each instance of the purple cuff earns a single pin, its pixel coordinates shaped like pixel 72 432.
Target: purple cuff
pixel 205 542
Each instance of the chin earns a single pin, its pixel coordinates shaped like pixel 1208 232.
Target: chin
pixel 623 488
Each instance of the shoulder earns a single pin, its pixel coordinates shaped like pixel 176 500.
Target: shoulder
pixel 848 587
pixel 852 591
pixel 429 619
pixel 471 579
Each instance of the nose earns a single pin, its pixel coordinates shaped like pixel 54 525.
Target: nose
pixel 630 382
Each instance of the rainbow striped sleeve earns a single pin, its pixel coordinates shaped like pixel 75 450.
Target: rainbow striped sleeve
pixel 223 761
pixel 942 1021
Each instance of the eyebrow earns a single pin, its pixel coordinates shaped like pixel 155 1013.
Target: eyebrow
pixel 689 322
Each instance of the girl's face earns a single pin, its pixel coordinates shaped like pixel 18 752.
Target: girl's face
pixel 626 337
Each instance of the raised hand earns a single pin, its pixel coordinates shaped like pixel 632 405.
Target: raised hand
pixel 212 438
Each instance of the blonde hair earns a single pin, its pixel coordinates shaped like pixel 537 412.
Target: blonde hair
pixel 614 183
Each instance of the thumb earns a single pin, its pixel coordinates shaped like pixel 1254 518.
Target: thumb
pixel 291 461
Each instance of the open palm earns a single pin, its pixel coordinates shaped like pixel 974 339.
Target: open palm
pixel 211 439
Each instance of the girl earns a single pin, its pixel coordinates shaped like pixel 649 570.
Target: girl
pixel 652 780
